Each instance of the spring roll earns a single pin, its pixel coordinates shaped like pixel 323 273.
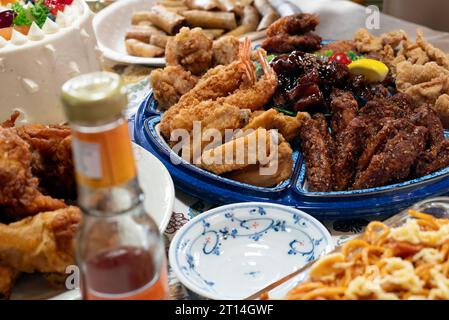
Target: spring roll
pixel 269 14
pixel 177 9
pixel 159 40
pixel 166 20
pixel 142 33
pixel 211 20
pixel 227 5
pixel 140 16
pixel 250 21
pixel 140 49
pixel 202 4
pixel 145 23
pixel 171 3
pixel 213 33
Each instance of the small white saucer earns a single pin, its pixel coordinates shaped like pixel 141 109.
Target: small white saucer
pixel 236 250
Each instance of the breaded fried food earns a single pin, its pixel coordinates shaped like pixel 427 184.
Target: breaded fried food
pixel 43 243
pixel 271 119
pixel 225 50
pixel 339 46
pixel 190 49
pixel 294 24
pixel 19 193
pixel 52 161
pixel 367 43
pixel 8 278
pixel 282 165
pixel 170 84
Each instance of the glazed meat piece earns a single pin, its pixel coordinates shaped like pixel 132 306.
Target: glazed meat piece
pixel 280 43
pixel 170 84
pixel 191 49
pixel 434 159
pixel 395 162
pixel 349 146
pixel 427 117
pixel 306 93
pixel 315 149
pixel 343 109
pixel 365 91
pixel 293 24
pixel 19 193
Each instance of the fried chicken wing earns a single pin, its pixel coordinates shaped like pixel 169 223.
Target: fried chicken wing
pixel 344 108
pixel 315 149
pixel 52 161
pixel 395 162
pixel 19 192
pixel 8 278
pixel 191 49
pixel 281 43
pixel 433 159
pixel 294 24
pixel 170 83
pixel 349 146
pixel 428 118
pixel 43 243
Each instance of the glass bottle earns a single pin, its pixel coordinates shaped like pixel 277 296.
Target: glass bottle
pixel 120 251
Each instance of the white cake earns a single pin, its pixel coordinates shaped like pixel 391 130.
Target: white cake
pixel 33 67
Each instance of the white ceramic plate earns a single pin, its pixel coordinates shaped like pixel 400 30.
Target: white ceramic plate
pixel 110 26
pixel 159 199
pixel 233 251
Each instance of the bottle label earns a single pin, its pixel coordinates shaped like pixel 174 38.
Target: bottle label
pixel 104 159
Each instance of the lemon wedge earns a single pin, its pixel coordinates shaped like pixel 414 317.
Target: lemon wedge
pixel 373 70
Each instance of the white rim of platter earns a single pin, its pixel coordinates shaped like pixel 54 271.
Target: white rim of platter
pixel 110 26
pixel 159 193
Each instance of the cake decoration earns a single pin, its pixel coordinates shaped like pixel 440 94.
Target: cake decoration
pixel 17 38
pixel 27 15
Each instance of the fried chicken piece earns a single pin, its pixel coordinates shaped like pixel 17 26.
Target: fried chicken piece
pixel 19 192
pixel 191 49
pixel 225 50
pixel 11 122
pixel 257 175
pixel 350 144
pixel 281 43
pixel 434 159
pixel 272 119
pixel 294 24
pixel 426 117
pixel 43 243
pixel 398 106
pixel 434 54
pixel 52 161
pixel 344 109
pixel 395 162
pixel 170 84
pixel 8 278
pixel 316 152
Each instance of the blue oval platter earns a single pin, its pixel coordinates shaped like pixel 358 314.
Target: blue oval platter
pixel 382 201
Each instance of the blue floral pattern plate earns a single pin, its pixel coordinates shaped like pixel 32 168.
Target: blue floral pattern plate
pixel 233 251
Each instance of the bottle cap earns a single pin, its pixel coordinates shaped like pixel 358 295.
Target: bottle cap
pixel 98 97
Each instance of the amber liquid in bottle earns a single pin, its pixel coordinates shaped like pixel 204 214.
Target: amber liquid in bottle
pixel 133 271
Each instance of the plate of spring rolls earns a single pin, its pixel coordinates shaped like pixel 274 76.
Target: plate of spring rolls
pixel 137 31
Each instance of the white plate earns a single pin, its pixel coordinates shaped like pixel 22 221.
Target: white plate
pixel 159 199
pixel 110 26
pixel 233 251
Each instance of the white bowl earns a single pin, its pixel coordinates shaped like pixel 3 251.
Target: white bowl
pixel 236 250
pixel 110 26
